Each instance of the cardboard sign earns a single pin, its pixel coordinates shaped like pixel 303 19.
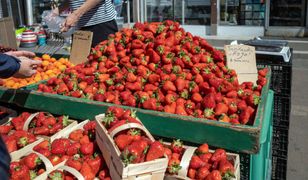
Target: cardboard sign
pixel 242 59
pixel 7 33
pixel 82 41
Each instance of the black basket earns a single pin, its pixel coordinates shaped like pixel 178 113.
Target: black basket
pixel 245 166
pixel 280 142
pixel 279 168
pixel 281 111
pixel 281 73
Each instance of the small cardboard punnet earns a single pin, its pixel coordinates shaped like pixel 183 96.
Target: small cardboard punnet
pixel 151 170
pixel 185 161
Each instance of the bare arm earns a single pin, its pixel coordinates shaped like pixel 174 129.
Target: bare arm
pixel 73 18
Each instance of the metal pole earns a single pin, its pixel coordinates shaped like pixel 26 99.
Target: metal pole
pixel 9 8
pixel 267 14
pixel 183 12
pixel 1 12
pixel 29 12
pixel 21 22
pixel 128 13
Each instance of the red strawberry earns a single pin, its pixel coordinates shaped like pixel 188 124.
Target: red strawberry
pixel 203 149
pixel 205 157
pixel 5 129
pixel 87 171
pixel 232 108
pixel 74 162
pixel 209 101
pixel 155 151
pixel 196 97
pixel 221 108
pixel 232 94
pixel 177 146
pixel 173 166
pixel 226 167
pixel 31 161
pixel 218 155
pixel 59 146
pixel 214 175
pixel 123 140
pixel 202 173
pixel 196 162
pixel 87 149
pixel 73 149
pixel 191 173
pixel 169 86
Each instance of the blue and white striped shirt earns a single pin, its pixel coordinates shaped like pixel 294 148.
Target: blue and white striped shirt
pixel 103 12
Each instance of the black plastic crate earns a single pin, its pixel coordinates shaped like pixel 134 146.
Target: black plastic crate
pixel 281 111
pixel 281 73
pixel 279 168
pixel 280 142
pixel 245 166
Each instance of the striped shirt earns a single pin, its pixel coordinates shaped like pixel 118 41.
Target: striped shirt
pixel 103 12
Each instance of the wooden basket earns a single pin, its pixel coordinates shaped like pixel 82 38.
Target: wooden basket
pixel 187 155
pixel 151 170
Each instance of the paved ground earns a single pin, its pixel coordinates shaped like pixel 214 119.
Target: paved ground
pixel 298 133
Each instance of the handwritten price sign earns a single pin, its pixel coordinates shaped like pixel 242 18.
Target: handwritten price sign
pixel 242 59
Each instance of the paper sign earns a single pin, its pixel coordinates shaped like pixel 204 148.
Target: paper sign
pixel 82 41
pixel 242 59
pixel 7 33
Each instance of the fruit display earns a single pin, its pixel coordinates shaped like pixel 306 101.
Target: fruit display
pixel 16 136
pixel 4 49
pixel 50 67
pixel 203 164
pixel 128 147
pixel 134 145
pixel 78 150
pixel 28 167
pixel 159 66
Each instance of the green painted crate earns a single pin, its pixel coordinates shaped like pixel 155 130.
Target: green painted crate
pixel 6 94
pixel 259 166
pixel 159 123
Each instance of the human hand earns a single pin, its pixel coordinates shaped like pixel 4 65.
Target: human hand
pixel 21 53
pixel 27 67
pixel 70 21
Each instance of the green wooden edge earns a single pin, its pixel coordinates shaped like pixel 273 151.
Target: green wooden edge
pixel 6 94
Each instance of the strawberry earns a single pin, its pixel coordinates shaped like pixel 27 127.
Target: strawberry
pixel 169 86
pixel 232 94
pixel 73 149
pixel 226 167
pixel 135 134
pixel 191 173
pixel 59 146
pixel 54 159
pixel 209 101
pixel 244 116
pixel 168 152
pixel 87 149
pixel 123 140
pixel 76 135
pixel 87 171
pixel 214 175
pixel 31 161
pixel 41 131
pixel 205 157
pixel 173 166
pixel 196 162
pixel 224 118
pixel 56 175
pixel 202 173
pixel 218 155
pixel 150 104
pixel 196 97
pixel 232 108
pixel 221 108
pixel 203 149
pixel 171 108
pixel 155 151
pixel 5 129
pixel 177 146
pixel 74 162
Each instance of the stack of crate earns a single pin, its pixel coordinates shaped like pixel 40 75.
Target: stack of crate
pixel 281 84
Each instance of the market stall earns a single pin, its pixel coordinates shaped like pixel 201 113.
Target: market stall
pixel 142 84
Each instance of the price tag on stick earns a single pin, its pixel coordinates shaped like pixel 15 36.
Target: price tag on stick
pixel 242 59
pixel 81 47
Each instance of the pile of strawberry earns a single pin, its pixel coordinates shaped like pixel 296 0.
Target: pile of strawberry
pixel 13 136
pixel 46 124
pixel 159 66
pixel 203 164
pixel 134 145
pixel 16 138
pixel 29 167
pixel 79 150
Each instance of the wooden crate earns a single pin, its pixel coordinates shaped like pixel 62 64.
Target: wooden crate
pixel 152 170
pixel 189 152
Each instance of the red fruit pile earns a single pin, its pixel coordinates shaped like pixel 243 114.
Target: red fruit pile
pixel 29 167
pixel 79 151
pixel 203 165
pixel 159 66
pixel 135 147
pixel 46 124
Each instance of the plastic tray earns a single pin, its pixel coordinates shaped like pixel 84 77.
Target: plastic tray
pixel 282 108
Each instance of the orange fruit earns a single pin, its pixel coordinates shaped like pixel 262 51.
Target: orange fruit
pixel 46 57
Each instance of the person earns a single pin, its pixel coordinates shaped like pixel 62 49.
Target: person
pixel 97 16
pixel 17 64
